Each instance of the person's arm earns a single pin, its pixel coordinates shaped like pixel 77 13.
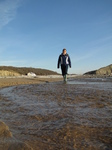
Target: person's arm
pixel 59 60
pixel 69 60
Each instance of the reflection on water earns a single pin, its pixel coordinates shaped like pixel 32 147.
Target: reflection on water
pixel 69 116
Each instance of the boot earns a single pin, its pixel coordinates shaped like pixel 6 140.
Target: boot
pixel 65 78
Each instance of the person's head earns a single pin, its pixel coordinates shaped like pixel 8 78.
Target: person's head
pixel 64 51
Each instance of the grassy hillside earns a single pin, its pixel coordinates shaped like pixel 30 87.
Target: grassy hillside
pixel 90 72
pixel 25 70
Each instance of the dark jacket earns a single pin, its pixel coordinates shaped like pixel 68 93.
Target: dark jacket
pixel 64 60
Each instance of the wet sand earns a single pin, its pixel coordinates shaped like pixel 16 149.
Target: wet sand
pixel 59 116
pixel 6 82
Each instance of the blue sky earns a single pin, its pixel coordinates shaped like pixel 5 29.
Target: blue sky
pixel 34 32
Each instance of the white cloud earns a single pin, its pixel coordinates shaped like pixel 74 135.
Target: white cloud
pixel 93 49
pixel 8 9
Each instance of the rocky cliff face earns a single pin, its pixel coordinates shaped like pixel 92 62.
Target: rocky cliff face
pixel 105 70
pixel 102 71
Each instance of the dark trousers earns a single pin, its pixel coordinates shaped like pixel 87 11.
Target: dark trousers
pixel 64 69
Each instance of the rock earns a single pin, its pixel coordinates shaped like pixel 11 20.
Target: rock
pixel 8 142
pixel 31 74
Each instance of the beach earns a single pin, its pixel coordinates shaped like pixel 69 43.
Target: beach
pixel 48 114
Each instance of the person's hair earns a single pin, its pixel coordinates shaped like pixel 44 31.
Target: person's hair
pixel 64 49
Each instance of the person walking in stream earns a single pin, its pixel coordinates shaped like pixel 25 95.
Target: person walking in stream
pixel 64 61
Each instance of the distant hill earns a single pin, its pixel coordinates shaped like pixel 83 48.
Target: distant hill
pixel 90 72
pixel 105 70
pixel 102 71
pixel 16 71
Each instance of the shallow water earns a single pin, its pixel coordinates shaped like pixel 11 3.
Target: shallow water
pixel 96 83
pixel 70 116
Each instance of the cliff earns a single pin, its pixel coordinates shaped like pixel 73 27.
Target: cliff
pixel 102 71
pixel 105 70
